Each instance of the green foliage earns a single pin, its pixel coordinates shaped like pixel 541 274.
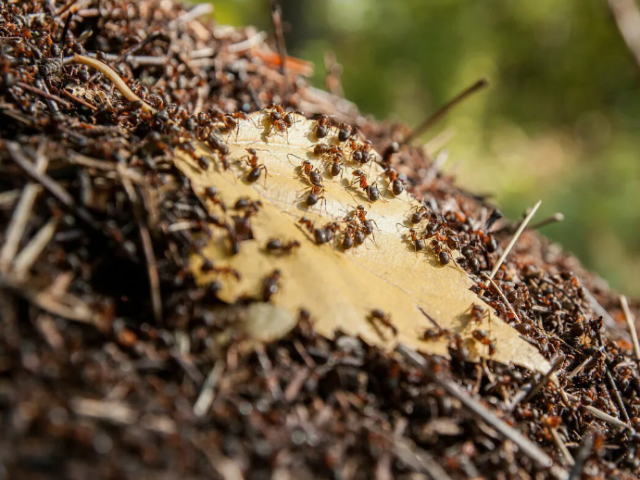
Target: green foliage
pixel 559 122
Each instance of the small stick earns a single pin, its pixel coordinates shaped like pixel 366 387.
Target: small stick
pixel 513 241
pixel 555 218
pixel 580 367
pixel 618 397
pixel 79 100
pixel 51 185
pixel 147 245
pixel 568 458
pixel 526 446
pixel 632 326
pixel 504 299
pixel 530 390
pixel 42 93
pixel 581 457
pixel 247 44
pixel 477 86
pixel 276 18
pixel 20 215
pixel 29 254
pixel 605 417
pixel 205 399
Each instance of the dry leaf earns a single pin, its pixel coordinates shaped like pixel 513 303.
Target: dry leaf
pixel 339 288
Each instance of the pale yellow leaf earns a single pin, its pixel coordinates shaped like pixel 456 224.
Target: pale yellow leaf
pixel 339 288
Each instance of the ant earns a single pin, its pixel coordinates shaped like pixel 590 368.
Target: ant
pixel 435 334
pixel 316 194
pixel 345 132
pixel 392 149
pixel 208 266
pixel 212 194
pixel 321 128
pixel 256 168
pixel 396 184
pixel 378 315
pixel 276 246
pixel 319 235
pixel 367 224
pixel 244 203
pixel 279 119
pixel 483 337
pixel 476 313
pixel 370 189
pixel 419 214
pixel 270 285
pixel 230 120
pixel 219 146
pixel 418 243
pixel 322 149
pixel 347 239
pixel 443 257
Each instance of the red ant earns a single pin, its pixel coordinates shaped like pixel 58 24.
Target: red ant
pixel 256 168
pixel 279 119
pixel 367 224
pixel 418 243
pixel 316 193
pixel 392 149
pixel 347 239
pixel 270 285
pixel 321 128
pixel 435 334
pixel 230 120
pixel 396 184
pixel 360 151
pixel 476 313
pixel 483 337
pixel 345 132
pixel 378 315
pixel 223 150
pixel 319 235
pixel 208 266
pixel 419 214
pixel 371 190
pixel 276 246
pixel 212 194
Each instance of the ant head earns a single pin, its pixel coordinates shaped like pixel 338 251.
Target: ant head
pixel 252 151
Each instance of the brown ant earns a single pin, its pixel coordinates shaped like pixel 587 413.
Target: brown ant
pixel 392 149
pixel 270 285
pixel 483 337
pixel 435 334
pixel 367 224
pixel 276 246
pixel 345 132
pixel 370 189
pixel 230 120
pixel 443 257
pixel 208 266
pixel 256 168
pixel 379 316
pixel 418 243
pixel 347 239
pixel 212 194
pixel 396 184
pixel 251 206
pixel 279 119
pixel 476 313
pixel 321 128
pixel 419 214
pixel 319 235
pixel 316 194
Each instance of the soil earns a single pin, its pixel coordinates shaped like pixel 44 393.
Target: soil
pixel 108 363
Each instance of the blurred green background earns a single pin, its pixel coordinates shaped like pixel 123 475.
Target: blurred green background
pixel 560 121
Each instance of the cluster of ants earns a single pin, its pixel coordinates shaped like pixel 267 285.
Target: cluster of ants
pixel 353 230
pixel 446 233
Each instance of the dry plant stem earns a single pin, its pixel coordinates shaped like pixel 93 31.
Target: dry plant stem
pixel 205 399
pixel 147 246
pixel 619 401
pixel 568 458
pixel 627 17
pixel 526 446
pixel 632 326
pixel 108 72
pixel 579 368
pixel 555 218
pixel 513 241
pixel 419 459
pixel 581 457
pixel 276 18
pixel 605 417
pixel 21 216
pixel 42 93
pixel 423 127
pixel 29 254
pixel 51 185
pixel 528 392
pixel 504 299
